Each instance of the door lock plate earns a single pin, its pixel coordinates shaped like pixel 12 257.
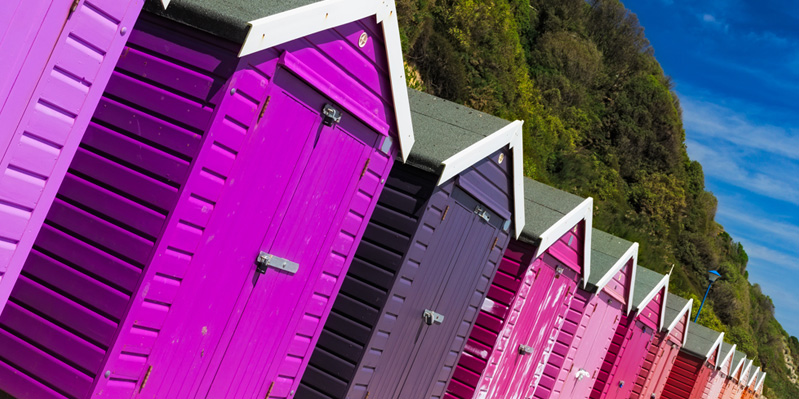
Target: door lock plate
pixel 266 260
pixel 331 115
pixel 430 317
pixel 479 211
pixel 525 349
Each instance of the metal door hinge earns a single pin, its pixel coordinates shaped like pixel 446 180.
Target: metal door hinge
pixel 494 245
pixel 479 211
pixel 525 349
pixel 263 108
pixel 331 115
pixel 73 7
pixel 365 167
pixel 444 215
pixel 146 377
pixel 430 317
pixel 266 260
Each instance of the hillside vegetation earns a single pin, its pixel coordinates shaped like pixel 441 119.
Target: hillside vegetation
pixel 601 120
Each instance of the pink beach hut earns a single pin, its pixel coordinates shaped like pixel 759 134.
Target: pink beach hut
pixel 717 377
pixel 729 388
pixel 696 361
pixel 215 200
pixel 57 57
pixel 591 321
pixel 630 344
pixel 664 349
pixel 516 328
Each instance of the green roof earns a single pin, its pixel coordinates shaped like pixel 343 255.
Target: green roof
pixel 700 340
pixel 645 281
pixel 606 250
pixel 443 128
pixel 674 304
pixel 223 18
pixel 544 206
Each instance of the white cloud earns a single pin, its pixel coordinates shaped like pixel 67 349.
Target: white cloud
pixel 714 22
pixel 760 225
pixel 708 18
pixel 771 256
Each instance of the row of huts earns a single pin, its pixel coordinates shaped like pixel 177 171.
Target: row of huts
pixel 242 199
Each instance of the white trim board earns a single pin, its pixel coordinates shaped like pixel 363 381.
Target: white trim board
pixel 663 285
pixel 510 135
pixel 716 347
pixel 630 255
pixel 759 385
pixel 584 211
pixel 737 366
pixel 685 312
pixel 728 357
pixel 746 372
pixel 752 377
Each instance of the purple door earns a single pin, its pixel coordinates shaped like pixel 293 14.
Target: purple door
pixel 448 275
pixel 288 195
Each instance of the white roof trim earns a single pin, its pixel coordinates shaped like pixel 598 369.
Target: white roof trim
pixel 746 371
pixel 306 20
pixel 630 254
pixel 716 347
pixel 584 211
pixel 687 325
pixel 753 376
pixel 509 135
pixel 165 3
pixel 684 313
pixel 663 285
pixel 759 385
pixel 728 357
pixel 734 370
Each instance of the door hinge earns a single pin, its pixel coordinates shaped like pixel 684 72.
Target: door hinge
pixel 146 377
pixel 479 211
pixel 266 260
pixel 430 317
pixel 331 115
pixel 494 245
pixel 365 167
pixel 269 392
pixel 73 7
pixel 444 215
pixel 263 108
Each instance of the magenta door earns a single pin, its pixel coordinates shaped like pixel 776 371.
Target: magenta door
pixel 520 364
pixel 289 194
pixel 628 364
pixel 577 377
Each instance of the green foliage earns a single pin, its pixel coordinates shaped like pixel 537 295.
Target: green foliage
pixel 601 120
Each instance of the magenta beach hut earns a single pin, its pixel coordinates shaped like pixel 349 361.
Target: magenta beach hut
pixel 664 348
pixel 57 56
pixel 630 344
pixel 592 318
pixel 426 260
pixel 717 377
pixel 217 197
pixel 529 296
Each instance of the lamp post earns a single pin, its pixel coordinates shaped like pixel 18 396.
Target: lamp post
pixel 711 276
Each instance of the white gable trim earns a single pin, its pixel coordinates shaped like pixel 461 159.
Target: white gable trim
pixel 687 324
pixel 728 358
pixel 759 385
pixel 745 373
pixel 663 285
pixel 584 211
pixel 684 313
pixel 753 377
pixel 737 366
pixel 630 254
pixel 716 347
pixel 511 136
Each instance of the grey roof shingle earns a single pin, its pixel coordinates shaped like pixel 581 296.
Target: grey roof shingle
pixel 725 351
pixel 736 358
pixel 700 340
pixel 674 304
pixel 223 18
pixel 645 281
pixel 443 128
pixel 543 207
pixel 606 250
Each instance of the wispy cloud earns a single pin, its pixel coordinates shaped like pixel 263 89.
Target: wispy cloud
pixel 713 22
pixel 771 256
pixel 761 225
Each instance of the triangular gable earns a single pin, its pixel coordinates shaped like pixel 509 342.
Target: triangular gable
pixel 737 365
pixel 726 358
pixel 629 258
pixel 745 373
pixel 759 386
pixel 715 353
pixel 753 379
pixel 682 318
pixel 308 19
pixel 662 286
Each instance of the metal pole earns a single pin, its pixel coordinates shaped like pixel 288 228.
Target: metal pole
pixel 703 302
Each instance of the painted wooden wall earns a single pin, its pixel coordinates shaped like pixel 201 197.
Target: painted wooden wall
pixel 56 63
pixel 343 162
pixel 65 313
pixel 683 377
pixel 536 315
pixel 716 381
pixel 392 301
pixel 659 362
pixel 597 323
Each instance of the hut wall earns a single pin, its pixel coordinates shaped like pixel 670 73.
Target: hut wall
pixel 683 377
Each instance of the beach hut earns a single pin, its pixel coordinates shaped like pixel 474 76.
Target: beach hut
pixel 759 386
pixel 697 359
pixel 748 391
pixel 216 199
pixel 57 56
pixel 719 374
pixel 744 379
pixel 630 344
pixel 592 318
pixel 729 388
pixel 517 327
pixel 664 349
pixel 426 260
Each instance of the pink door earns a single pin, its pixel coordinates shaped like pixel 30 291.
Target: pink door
pixel 628 364
pixel 577 376
pixel 661 368
pixel 520 364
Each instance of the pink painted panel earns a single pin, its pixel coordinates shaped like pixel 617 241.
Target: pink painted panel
pixel 48 108
pixel 651 313
pixel 628 362
pixel 570 247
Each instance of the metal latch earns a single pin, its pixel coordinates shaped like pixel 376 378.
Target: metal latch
pixel 267 260
pixel 525 350
pixel 430 317
pixel 331 115
pixel 479 211
pixel 558 271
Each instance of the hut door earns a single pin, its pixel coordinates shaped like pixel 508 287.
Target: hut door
pixel 622 381
pixel 310 177
pixel 452 267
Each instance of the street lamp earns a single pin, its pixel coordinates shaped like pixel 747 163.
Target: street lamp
pixel 711 276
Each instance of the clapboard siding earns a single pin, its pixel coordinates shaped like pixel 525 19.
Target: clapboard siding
pixel 611 356
pixel 569 248
pixel 651 314
pixel 683 376
pixel 110 210
pixel 654 352
pixel 56 69
pixel 365 291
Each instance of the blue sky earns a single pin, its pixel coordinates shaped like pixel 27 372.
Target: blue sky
pixel 736 68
